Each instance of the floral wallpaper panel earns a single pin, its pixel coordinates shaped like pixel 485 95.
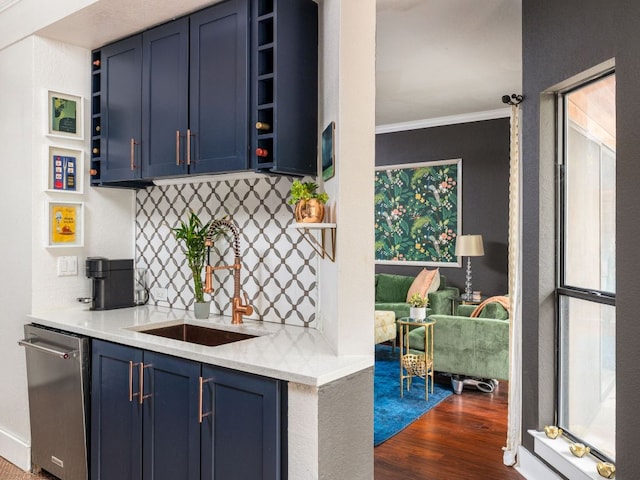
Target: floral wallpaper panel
pixel 418 212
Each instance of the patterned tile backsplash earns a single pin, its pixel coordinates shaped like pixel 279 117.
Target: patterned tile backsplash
pixel 278 267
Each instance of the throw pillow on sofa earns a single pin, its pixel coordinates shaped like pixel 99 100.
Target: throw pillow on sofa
pixel 427 281
pixel 392 288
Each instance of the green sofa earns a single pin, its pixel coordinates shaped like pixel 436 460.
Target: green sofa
pixel 470 348
pixel 391 294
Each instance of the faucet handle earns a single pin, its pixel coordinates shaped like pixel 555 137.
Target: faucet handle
pixel 248 309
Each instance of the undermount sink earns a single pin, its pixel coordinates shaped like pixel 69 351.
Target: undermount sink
pixel 210 337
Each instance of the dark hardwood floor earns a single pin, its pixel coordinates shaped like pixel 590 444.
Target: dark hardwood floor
pixel 460 439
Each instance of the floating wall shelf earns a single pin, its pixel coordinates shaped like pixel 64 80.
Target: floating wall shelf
pixel 318 245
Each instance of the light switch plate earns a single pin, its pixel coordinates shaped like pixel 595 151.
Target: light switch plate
pixel 67 266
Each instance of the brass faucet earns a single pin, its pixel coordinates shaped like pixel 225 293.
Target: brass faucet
pixel 238 309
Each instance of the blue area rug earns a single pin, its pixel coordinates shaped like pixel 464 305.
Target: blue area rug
pixel 391 413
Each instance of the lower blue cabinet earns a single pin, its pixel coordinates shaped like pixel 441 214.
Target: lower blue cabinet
pixel 241 438
pixel 157 417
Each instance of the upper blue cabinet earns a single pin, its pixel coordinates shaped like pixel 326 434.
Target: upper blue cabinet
pixel 208 94
pixel 284 65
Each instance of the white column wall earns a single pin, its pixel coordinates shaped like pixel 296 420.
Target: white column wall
pixel 347 79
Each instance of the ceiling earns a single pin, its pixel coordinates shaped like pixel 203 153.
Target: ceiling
pixel 442 58
pixel 434 58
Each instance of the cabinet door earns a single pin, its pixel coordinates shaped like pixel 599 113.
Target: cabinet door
pixel 116 415
pixel 171 439
pixel 121 85
pixel 165 99
pixel 242 439
pixel 219 88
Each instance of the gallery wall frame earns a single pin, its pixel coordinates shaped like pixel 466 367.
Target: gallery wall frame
pixel 64 224
pixel 64 170
pixel 65 115
pixel 418 213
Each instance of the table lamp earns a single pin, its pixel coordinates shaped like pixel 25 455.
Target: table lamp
pixel 469 246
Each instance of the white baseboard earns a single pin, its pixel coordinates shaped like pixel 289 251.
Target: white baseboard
pixel 531 468
pixel 15 450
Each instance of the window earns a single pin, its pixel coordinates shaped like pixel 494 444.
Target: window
pixel 586 267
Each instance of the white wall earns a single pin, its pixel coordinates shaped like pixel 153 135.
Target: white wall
pixel 15 282
pixel 29 68
pixel 109 213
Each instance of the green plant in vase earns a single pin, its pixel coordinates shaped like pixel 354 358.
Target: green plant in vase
pixel 193 233
pixel 418 306
pixel 308 201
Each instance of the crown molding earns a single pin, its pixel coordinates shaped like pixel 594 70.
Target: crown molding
pixel 448 120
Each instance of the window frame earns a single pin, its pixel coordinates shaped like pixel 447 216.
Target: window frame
pixel 563 290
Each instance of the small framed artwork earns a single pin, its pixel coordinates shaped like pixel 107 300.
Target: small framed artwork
pixel 328 152
pixel 65 224
pixel 64 170
pixel 65 117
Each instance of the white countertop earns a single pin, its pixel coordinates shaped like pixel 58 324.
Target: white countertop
pixel 285 352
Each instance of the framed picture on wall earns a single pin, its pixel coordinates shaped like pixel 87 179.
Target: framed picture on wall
pixel 64 170
pixel 65 118
pixel 418 213
pixel 64 224
pixel 328 152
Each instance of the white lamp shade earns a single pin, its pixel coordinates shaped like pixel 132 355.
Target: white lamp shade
pixel 469 246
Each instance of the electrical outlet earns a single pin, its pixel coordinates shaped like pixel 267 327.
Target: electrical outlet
pixel 160 293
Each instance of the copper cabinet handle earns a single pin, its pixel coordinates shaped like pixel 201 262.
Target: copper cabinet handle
pixel 142 396
pixel 201 415
pixel 133 153
pixel 178 147
pixel 188 146
pixel 131 394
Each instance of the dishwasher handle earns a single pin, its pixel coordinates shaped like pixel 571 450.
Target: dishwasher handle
pixel 28 343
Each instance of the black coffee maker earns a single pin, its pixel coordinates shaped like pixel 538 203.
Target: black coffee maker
pixel 112 283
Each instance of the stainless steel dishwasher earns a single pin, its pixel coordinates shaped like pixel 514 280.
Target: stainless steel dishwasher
pixel 58 379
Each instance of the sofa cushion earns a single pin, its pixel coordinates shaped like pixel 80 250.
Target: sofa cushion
pixel 427 281
pixel 392 288
pixel 401 309
pixel 494 310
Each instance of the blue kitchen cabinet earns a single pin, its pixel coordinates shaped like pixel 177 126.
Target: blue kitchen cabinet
pixel 165 99
pixel 242 439
pixel 284 107
pixel 233 427
pixel 175 99
pixel 118 157
pixel 158 439
pixel 195 93
pixel 219 88
pixel 116 416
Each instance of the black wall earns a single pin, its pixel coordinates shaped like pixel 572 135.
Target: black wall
pixel 562 38
pixel 484 149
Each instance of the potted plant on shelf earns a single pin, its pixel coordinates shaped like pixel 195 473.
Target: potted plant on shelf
pixel 418 306
pixel 194 233
pixel 308 201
